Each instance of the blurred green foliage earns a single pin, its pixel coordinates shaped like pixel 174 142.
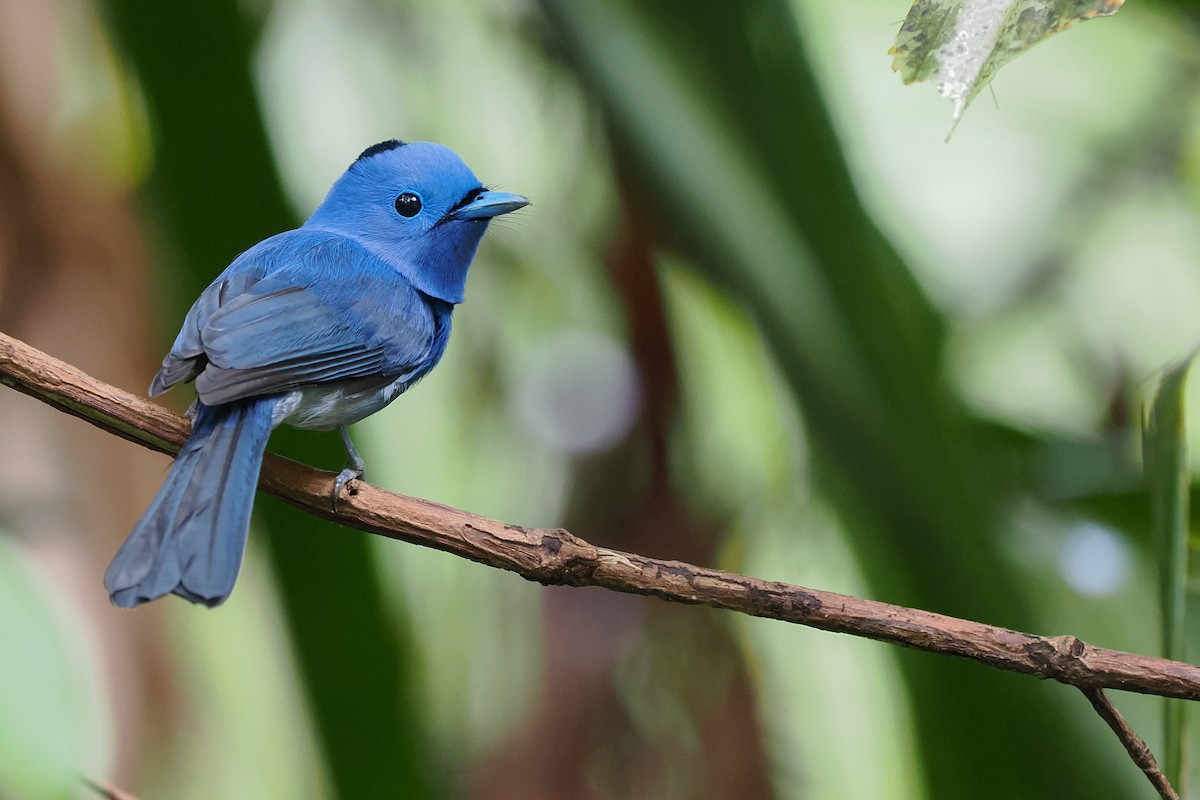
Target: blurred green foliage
pixel 1168 482
pixel 896 368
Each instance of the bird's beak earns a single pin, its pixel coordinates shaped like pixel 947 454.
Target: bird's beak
pixel 489 204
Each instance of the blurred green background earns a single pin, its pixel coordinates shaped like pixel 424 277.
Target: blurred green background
pixel 760 317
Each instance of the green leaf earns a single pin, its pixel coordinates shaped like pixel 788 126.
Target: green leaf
pixel 1164 443
pixel 51 730
pixel 961 43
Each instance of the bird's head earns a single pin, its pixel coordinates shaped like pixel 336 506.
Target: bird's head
pixel 419 208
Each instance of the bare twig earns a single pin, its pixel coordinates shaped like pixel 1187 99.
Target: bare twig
pixel 1134 745
pixel 558 557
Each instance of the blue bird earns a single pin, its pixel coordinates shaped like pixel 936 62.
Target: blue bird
pixel 317 327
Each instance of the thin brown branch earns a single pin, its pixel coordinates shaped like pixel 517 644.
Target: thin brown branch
pixel 1134 745
pixel 555 556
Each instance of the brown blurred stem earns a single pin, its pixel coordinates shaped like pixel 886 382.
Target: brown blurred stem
pixel 555 556
pixel 106 790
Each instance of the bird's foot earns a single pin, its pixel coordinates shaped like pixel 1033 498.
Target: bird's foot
pixel 345 477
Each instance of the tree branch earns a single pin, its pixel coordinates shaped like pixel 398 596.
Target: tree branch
pixel 1134 745
pixel 555 556
pixel 558 557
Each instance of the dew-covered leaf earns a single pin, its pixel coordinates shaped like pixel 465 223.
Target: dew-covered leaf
pixel 961 43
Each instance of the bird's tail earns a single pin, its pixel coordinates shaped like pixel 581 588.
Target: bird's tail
pixel 191 539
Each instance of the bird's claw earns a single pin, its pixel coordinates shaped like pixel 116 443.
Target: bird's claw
pixel 344 477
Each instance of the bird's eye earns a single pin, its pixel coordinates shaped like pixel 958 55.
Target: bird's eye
pixel 408 204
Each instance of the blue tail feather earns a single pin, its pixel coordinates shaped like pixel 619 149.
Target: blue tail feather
pixel 191 539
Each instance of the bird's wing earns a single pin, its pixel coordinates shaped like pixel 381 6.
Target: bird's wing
pixel 279 336
pixel 187 357
pixel 299 325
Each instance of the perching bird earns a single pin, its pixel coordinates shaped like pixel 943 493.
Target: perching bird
pixel 317 327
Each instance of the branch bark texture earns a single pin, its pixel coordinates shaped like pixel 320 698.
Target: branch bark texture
pixel 555 556
pixel 1134 745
